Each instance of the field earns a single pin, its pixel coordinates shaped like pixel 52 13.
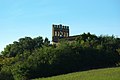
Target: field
pixel 97 74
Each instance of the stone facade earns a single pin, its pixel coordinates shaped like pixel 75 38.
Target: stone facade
pixel 59 31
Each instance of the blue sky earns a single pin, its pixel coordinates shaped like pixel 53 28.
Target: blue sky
pixel 20 18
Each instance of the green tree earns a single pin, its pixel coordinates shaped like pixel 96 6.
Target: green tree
pixel 46 42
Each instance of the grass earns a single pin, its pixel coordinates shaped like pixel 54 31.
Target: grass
pixel 97 74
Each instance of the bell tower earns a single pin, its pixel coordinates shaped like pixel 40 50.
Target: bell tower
pixel 59 31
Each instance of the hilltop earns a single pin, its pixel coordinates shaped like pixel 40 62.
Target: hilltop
pixel 30 58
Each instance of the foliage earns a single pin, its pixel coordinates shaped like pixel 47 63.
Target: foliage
pixel 24 44
pixel 32 58
pixel 6 74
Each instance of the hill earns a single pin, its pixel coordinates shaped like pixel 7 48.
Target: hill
pixel 97 74
pixel 31 58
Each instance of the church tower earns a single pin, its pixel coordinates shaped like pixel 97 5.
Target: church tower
pixel 59 31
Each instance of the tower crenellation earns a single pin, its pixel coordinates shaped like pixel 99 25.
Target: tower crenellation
pixel 59 31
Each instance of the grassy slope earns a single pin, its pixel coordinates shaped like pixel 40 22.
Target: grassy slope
pixel 100 74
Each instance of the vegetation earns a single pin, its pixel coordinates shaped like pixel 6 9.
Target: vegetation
pixel 30 58
pixel 100 74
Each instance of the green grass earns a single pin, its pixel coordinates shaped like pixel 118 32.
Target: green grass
pixel 97 74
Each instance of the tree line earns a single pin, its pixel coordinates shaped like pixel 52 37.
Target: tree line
pixel 30 58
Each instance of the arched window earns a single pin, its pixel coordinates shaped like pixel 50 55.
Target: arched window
pixel 58 33
pixel 55 33
pixel 64 34
pixel 67 35
pixel 61 34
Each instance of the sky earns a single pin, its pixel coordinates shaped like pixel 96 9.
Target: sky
pixel 33 18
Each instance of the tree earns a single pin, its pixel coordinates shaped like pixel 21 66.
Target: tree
pixel 32 58
pixel 46 42
pixel 24 44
